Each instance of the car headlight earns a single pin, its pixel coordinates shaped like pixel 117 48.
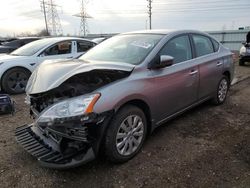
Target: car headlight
pixel 1 63
pixel 69 108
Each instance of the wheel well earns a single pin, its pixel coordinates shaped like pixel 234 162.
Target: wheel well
pixel 11 69
pixel 145 108
pixel 227 74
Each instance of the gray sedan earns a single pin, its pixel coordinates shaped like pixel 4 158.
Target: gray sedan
pixel 117 93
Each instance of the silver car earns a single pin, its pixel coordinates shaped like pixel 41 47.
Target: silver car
pixel 117 93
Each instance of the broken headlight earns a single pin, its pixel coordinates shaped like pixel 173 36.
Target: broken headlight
pixel 72 107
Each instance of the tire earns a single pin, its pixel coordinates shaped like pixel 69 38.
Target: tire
pixel 241 62
pixel 15 80
pixel 130 141
pixel 221 92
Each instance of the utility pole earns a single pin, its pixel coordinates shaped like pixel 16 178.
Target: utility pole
pixel 52 20
pixel 45 16
pixel 150 13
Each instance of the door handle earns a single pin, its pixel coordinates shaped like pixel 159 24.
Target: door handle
pixel 70 57
pixel 193 72
pixel 219 64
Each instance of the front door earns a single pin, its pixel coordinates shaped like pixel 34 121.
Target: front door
pixel 61 50
pixel 176 86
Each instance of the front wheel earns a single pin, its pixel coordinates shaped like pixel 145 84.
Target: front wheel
pixel 126 134
pixel 222 90
pixel 14 81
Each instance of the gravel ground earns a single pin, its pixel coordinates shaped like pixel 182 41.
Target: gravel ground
pixel 205 147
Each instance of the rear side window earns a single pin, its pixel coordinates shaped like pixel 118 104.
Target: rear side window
pixel 179 48
pixel 216 45
pixel 203 45
pixel 83 46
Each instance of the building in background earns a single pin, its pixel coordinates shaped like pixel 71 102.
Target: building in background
pixel 231 39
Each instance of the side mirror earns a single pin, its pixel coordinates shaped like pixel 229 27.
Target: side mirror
pixel 166 60
pixel 163 61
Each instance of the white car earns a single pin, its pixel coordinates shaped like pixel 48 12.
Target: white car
pixel 244 54
pixel 16 67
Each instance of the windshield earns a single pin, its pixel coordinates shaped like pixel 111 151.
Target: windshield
pixel 31 48
pixel 132 48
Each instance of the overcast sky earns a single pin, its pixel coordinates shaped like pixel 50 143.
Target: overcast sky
pixel 109 16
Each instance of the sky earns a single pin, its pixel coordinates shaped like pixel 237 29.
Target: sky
pixel 115 16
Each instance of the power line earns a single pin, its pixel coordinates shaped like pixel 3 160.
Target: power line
pixel 182 9
pixel 195 1
pixel 201 9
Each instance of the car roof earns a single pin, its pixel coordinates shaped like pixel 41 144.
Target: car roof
pixel 164 31
pixel 152 31
pixel 20 38
pixel 64 38
pixel 52 40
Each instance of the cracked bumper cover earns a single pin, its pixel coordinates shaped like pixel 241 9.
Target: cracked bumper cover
pixel 59 149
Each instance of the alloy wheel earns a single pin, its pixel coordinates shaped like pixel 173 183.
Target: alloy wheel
pixel 17 81
pixel 222 91
pixel 129 135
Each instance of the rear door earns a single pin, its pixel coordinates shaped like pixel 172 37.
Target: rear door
pixel 210 64
pixel 176 86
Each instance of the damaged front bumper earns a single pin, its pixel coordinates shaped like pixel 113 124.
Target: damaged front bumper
pixel 38 147
pixel 64 145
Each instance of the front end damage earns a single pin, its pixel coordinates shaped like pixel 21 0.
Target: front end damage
pixel 68 143
pixel 67 140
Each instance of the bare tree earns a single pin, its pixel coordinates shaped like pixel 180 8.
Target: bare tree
pixel 43 33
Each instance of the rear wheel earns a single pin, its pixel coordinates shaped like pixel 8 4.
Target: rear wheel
pixel 222 90
pixel 126 134
pixel 14 81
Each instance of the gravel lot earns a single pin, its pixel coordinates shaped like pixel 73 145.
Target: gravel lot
pixel 205 147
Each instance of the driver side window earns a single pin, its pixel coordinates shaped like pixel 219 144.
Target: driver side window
pixel 59 49
pixel 179 48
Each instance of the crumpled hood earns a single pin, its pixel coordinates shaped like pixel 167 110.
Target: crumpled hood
pixel 50 74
